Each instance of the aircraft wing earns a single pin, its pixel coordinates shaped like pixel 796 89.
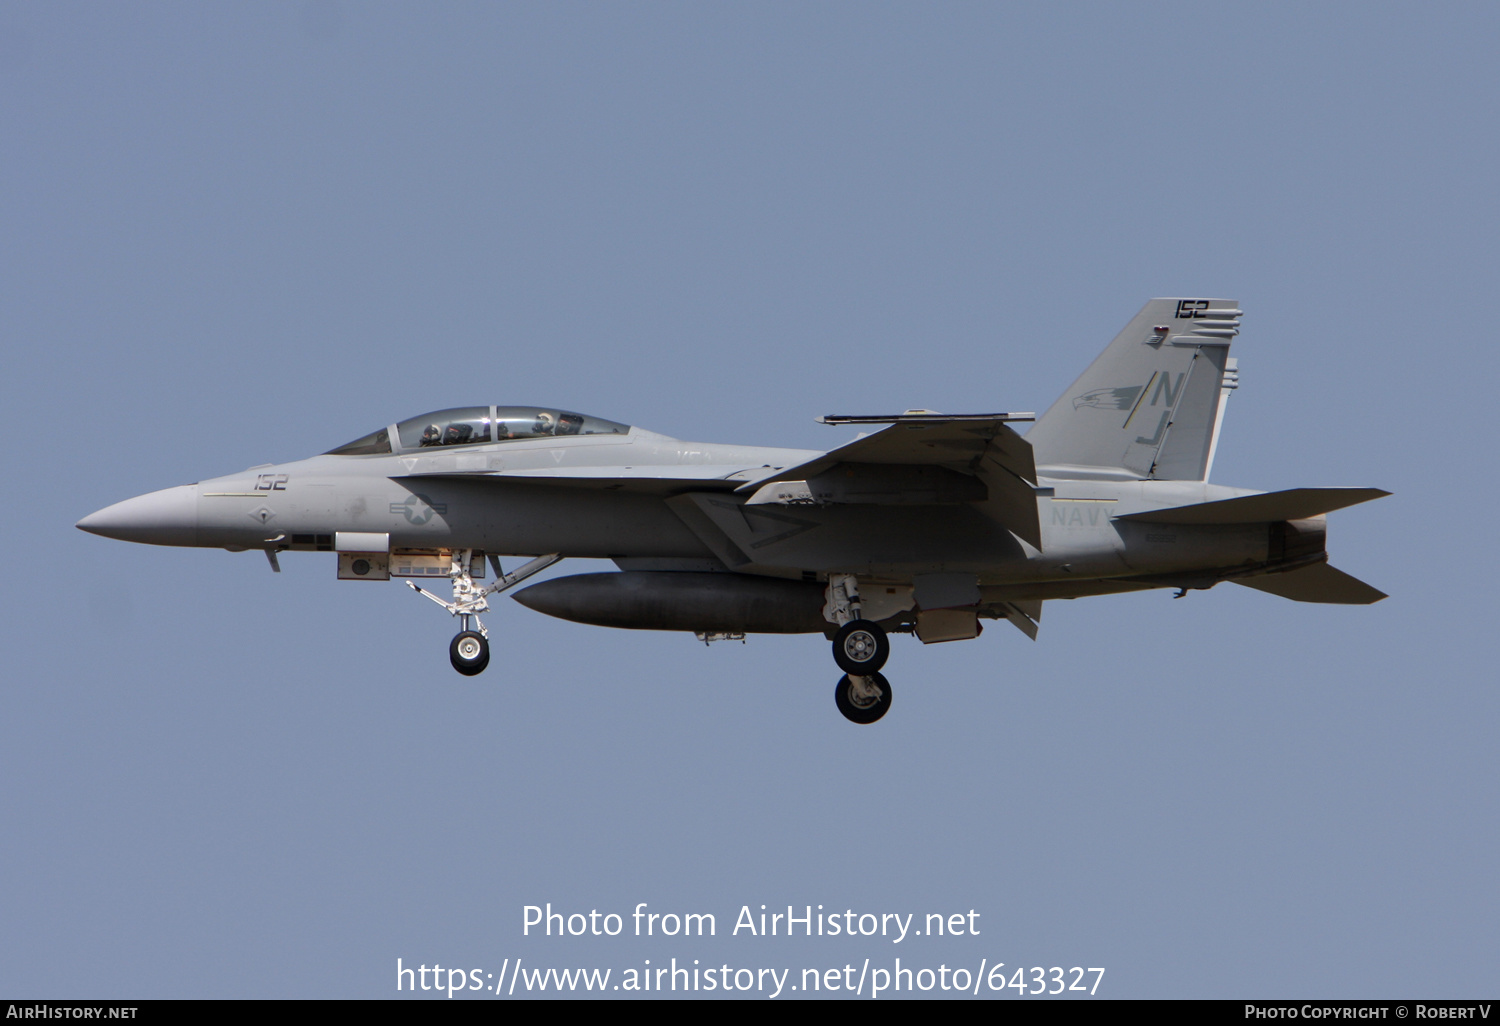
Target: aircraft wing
pixel 924 458
pixel 1317 583
pixel 1268 507
pixel 927 439
pixel 648 478
pixel 608 474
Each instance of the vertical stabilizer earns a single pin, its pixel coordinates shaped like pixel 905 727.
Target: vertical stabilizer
pixel 1149 406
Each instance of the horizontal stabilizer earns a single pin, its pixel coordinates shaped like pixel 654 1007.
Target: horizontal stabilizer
pixel 1317 583
pixel 1268 507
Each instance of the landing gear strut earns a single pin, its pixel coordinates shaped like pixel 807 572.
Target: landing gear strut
pixel 860 647
pixel 470 650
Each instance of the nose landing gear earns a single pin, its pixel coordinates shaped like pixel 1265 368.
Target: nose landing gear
pixel 469 652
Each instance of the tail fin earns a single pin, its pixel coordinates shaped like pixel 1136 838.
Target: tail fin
pixel 1150 405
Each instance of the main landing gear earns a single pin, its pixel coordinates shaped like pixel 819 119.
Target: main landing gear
pixel 860 647
pixel 469 652
pixel 863 699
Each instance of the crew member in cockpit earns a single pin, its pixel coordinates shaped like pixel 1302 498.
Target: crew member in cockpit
pixel 432 435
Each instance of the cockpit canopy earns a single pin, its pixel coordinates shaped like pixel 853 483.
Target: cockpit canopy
pixel 474 425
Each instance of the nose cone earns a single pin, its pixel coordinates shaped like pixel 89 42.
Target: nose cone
pixel 167 517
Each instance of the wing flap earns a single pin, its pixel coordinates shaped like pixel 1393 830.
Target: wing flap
pixel 1268 507
pixel 1012 504
pixel 1317 583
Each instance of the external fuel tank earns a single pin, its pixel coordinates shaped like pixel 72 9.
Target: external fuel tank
pixel 682 601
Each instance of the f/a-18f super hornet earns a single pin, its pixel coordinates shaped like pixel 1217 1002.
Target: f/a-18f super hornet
pixel 929 525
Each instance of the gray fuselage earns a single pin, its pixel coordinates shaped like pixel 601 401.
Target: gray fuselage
pixel 443 500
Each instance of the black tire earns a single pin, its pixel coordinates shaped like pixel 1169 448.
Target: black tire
pixel 861 647
pixel 868 712
pixel 467 657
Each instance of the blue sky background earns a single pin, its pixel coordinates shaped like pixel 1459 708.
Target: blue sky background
pixel 236 234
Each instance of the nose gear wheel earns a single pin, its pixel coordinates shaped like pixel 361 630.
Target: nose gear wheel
pixel 469 653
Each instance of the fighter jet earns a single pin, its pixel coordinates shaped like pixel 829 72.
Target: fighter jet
pixel 931 524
